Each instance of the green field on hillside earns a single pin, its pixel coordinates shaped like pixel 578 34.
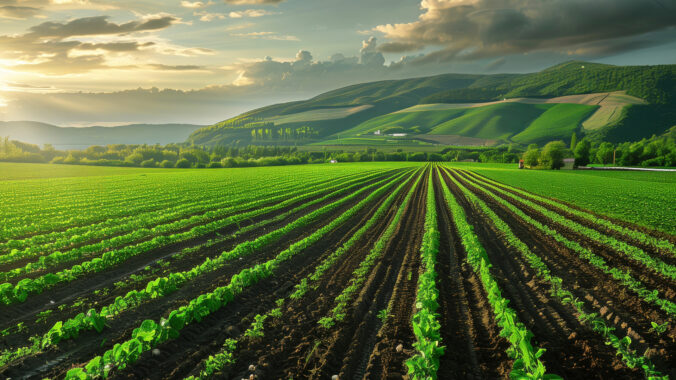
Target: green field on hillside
pixel 510 121
pixel 557 123
pixel 497 121
pixel 406 122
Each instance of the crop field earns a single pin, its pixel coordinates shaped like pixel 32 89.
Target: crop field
pixel 370 270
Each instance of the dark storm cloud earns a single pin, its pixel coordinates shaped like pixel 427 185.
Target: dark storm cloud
pixel 399 47
pixel 490 28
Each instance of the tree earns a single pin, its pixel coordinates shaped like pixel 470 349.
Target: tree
pixel 148 163
pixel 573 141
pixel 582 152
pixel 134 158
pixel 183 163
pixel 532 156
pixel 552 155
pixel 604 154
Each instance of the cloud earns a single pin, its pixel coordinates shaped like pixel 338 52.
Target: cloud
pixel 305 73
pixel 114 46
pixel 149 105
pixel 250 13
pixel 475 29
pixel 86 44
pixel 18 12
pixel 399 47
pixel 253 2
pixel 158 66
pixel 195 4
pixel 99 25
pixel 370 54
pixel 208 16
pixel 266 36
pixel 24 9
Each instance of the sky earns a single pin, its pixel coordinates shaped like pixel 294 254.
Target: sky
pixel 89 62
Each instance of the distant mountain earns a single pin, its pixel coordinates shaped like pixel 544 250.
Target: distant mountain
pixel 76 138
pixel 620 103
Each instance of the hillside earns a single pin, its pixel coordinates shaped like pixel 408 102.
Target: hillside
pixel 74 138
pixel 615 103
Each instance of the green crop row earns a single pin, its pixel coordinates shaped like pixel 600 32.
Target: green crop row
pixel 18 293
pixel 425 363
pixel 150 333
pixel 225 357
pixel 79 201
pixel 162 286
pixel 657 243
pixel 527 363
pixel 92 206
pixel 218 210
pixel 623 277
pixel 359 274
pixel 629 250
pixel 76 236
pixel 629 356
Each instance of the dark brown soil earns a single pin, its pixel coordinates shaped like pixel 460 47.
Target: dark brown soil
pixel 121 327
pixel 623 309
pixel 573 350
pixel 363 345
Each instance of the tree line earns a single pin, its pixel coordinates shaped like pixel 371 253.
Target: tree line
pixel 656 151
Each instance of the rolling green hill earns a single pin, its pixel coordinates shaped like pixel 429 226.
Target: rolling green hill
pixel 557 123
pixel 624 103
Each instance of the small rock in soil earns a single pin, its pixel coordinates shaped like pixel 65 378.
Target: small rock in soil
pixel 156 352
pixel 400 347
pixel 232 331
pixel 252 368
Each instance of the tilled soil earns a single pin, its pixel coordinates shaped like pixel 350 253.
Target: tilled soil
pixel 89 344
pixel 573 350
pixel 623 309
pixel 364 344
